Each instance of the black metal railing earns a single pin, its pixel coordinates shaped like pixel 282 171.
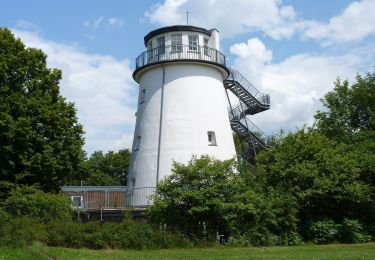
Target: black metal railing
pixel 237 114
pixel 180 52
pixel 235 75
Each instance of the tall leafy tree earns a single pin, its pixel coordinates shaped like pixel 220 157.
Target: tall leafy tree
pixel 349 118
pixel 206 197
pixel 40 137
pixel 321 174
pixel 107 169
pixel 348 108
pixel 199 197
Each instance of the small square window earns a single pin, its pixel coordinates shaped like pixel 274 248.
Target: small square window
pixel 132 182
pixel 142 96
pixel 137 143
pixel 211 138
pixel 76 201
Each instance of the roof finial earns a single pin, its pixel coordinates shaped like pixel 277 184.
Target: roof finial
pixel 187 18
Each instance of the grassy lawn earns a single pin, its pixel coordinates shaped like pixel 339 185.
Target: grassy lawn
pixel 361 251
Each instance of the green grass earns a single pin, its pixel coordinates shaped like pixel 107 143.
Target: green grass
pixel 338 251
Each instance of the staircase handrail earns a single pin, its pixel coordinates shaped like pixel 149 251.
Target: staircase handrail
pixel 236 114
pixel 235 75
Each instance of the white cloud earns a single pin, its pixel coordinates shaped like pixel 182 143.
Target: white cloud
pixel 101 87
pixel 253 48
pixel 115 22
pixel 94 24
pixel 101 22
pixel 297 83
pixel 234 17
pixel 27 25
pixel 356 22
pixel 231 17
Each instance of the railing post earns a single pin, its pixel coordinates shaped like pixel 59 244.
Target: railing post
pixel 106 198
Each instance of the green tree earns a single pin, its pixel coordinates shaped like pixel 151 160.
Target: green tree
pixel 349 118
pixel 349 108
pixel 321 174
pixel 40 138
pixel 206 197
pixel 106 169
pixel 198 198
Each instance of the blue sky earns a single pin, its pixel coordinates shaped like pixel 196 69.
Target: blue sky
pixel 292 49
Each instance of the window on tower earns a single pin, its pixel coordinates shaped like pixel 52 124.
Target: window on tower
pixel 137 143
pixel 142 96
pixel 205 46
pixel 211 138
pixel 132 183
pixel 149 51
pixel 161 45
pixel 193 42
pixel 176 42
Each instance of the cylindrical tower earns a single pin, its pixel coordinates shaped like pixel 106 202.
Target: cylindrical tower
pixel 182 107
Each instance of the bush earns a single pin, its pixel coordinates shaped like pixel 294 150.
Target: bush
pixel 324 232
pixel 239 241
pixel 126 235
pixel 352 232
pixel 129 234
pixel 67 234
pixel 21 231
pixel 262 238
pixel 4 216
pixel 43 207
pixel 290 239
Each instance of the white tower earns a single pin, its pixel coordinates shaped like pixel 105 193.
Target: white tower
pixel 182 106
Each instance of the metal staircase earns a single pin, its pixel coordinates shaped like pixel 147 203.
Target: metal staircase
pixel 251 102
pixel 254 100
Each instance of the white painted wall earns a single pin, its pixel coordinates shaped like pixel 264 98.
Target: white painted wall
pixel 194 103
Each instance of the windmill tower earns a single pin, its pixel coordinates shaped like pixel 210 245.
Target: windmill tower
pixel 182 106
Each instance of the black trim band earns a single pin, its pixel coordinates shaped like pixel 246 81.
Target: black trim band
pixel 225 68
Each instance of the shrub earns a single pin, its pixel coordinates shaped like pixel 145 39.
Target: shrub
pixel 4 216
pixel 21 231
pixel 126 235
pixel 262 238
pixel 43 207
pixel 164 239
pixel 352 232
pixel 324 232
pixel 5 189
pixel 67 234
pixel 290 239
pixel 240 241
